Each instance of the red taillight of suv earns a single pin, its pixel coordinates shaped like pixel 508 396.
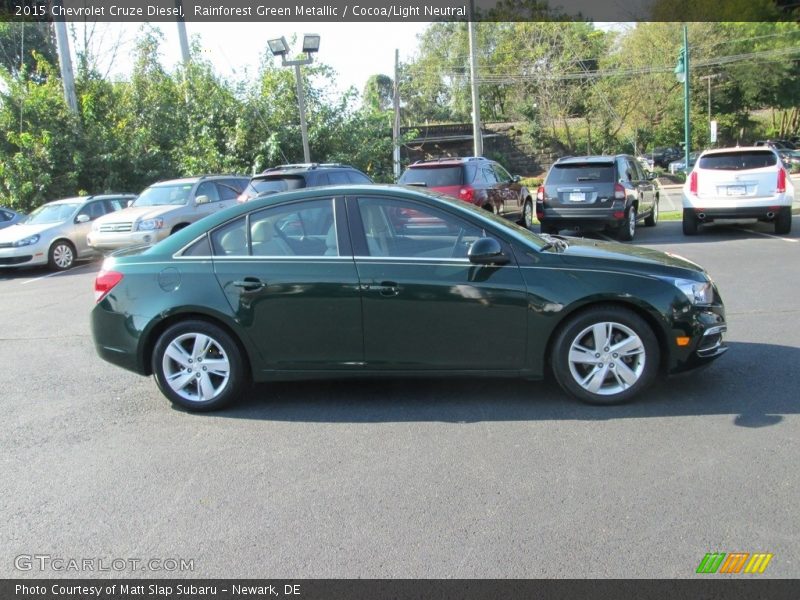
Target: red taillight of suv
pixel 781 181
pixel 467 193
pixel 619 191
pixel 693 182
pixel 104 283
pixel 540 193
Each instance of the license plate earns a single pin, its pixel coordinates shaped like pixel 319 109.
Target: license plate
pixel 577 197
pixel 737 190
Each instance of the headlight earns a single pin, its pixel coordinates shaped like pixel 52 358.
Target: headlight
pixel 26 241
pixel 150 225
pixel 698 292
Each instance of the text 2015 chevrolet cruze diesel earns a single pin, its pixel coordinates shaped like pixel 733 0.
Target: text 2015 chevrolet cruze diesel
pixel 378 280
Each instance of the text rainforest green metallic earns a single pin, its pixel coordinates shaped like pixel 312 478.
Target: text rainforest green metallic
pixel 357 281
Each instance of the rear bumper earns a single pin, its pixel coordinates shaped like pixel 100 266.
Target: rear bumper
pixel 584 218
pixel 108 241
pixel 762 213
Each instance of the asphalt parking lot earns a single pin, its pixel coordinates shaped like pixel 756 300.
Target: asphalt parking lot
pixel 406 479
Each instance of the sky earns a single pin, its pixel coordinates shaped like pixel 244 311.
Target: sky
pixel 354 50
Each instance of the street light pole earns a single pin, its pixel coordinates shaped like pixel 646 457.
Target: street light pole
pixel 682 73
pixel 279 47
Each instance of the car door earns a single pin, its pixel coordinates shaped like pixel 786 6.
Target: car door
pixel 505 185
pixel 287 272
pixel 425 306
pixel 93 209
pixel 644 187
pixel 209 191
pixel 227 193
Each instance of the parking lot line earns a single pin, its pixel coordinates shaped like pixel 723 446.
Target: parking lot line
pixel 769 235
pixel 55 274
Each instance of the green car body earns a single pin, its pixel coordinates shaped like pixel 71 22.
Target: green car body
pixel 354 314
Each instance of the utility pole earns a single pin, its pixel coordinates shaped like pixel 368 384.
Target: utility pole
pixel 184 40
pixel 473 73
pixel 396 122
pixel 65 62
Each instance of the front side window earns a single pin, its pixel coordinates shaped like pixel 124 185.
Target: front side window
pixel 52 213
pixel 401 229
pixel 208 189
pixel 160 195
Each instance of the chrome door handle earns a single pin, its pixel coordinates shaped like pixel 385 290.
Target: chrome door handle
pixel 387 288
pixel 250 284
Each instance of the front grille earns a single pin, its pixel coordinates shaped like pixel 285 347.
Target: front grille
pixel 7 245
pixel 15 260
pixel 115 227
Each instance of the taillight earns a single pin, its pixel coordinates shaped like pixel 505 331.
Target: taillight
pixel 540 193
pixel 619 191
pixel 693 182
pixel 466 193
pixel 104 283
pixel 781 181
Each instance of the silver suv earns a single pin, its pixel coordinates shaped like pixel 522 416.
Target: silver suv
pixel 164 208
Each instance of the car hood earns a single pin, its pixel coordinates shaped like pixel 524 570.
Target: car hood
pixel 138 213
pixel 613 252
pixel 21 230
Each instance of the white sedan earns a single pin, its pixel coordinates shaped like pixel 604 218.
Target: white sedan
pixel 738 183
pixel 55 233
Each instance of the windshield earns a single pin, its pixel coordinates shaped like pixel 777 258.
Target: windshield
pixel 269 185
pixel 159 195
pixel 52 213
pixel 432 176
pixel 579 172
pixel 738 161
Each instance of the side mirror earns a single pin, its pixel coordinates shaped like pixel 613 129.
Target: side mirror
pixel 201 199
pixel 515 178
pixel 82 219
pixel 651 176
pixel 129 202
pixel 486 251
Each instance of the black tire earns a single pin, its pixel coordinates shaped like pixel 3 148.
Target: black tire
pixel 61 256
pixel 689 222
pixel 182 382
pixel 783 220
pixel 622 325
pixel 548 229
pixel 527 213
pixel 628 228
pixel 652 219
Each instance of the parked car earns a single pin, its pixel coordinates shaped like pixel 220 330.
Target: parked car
pixel 680 164
pixel 596 192
pixel 738 183
pixel 292 177
pixel 9 217
pixel 790 159
pixel 164 208
pixel 774 144
pixel 474 179
pixel 662 156
pixel 357 281
pixel 55 233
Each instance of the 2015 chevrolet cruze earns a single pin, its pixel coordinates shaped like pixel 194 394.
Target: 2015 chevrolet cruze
pixel 380 280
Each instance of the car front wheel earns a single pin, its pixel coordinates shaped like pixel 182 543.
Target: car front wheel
pixel 198 366
pixel 605 355
pixel 62 255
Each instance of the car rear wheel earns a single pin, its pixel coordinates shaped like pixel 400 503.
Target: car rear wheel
pixel 689 222
pixel 527 214
pixel 197 365
pixel 652 220
pixel 628 228
pixel 605 355
pixel 783 221
pixel 62 255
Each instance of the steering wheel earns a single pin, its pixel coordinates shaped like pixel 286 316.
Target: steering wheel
pixel 455 253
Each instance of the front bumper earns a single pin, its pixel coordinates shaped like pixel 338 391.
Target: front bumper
pixel 105 241
pixel 705 331
pixel 23 256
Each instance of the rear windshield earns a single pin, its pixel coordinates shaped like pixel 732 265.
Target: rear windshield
pixel 580 173
pixel 280 183
pixel 433 176
pixel 738 161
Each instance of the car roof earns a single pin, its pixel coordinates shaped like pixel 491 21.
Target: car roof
pixel 72 200
pixel 448 161
pixel 301 168
pixel 738 149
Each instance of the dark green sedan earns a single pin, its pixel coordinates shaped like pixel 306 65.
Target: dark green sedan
pixel 389 281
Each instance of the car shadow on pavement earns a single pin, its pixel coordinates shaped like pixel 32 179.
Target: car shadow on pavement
pixel 753 382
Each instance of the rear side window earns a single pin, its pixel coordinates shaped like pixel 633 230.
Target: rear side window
pixel 738 161
pixel 580 173
pixel 275 184
pixel 433 176
pixel 356 177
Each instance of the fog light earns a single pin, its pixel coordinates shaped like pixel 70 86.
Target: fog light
pixel 683 341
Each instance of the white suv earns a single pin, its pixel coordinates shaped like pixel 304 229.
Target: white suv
pixel 164 208
pixel 738 183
